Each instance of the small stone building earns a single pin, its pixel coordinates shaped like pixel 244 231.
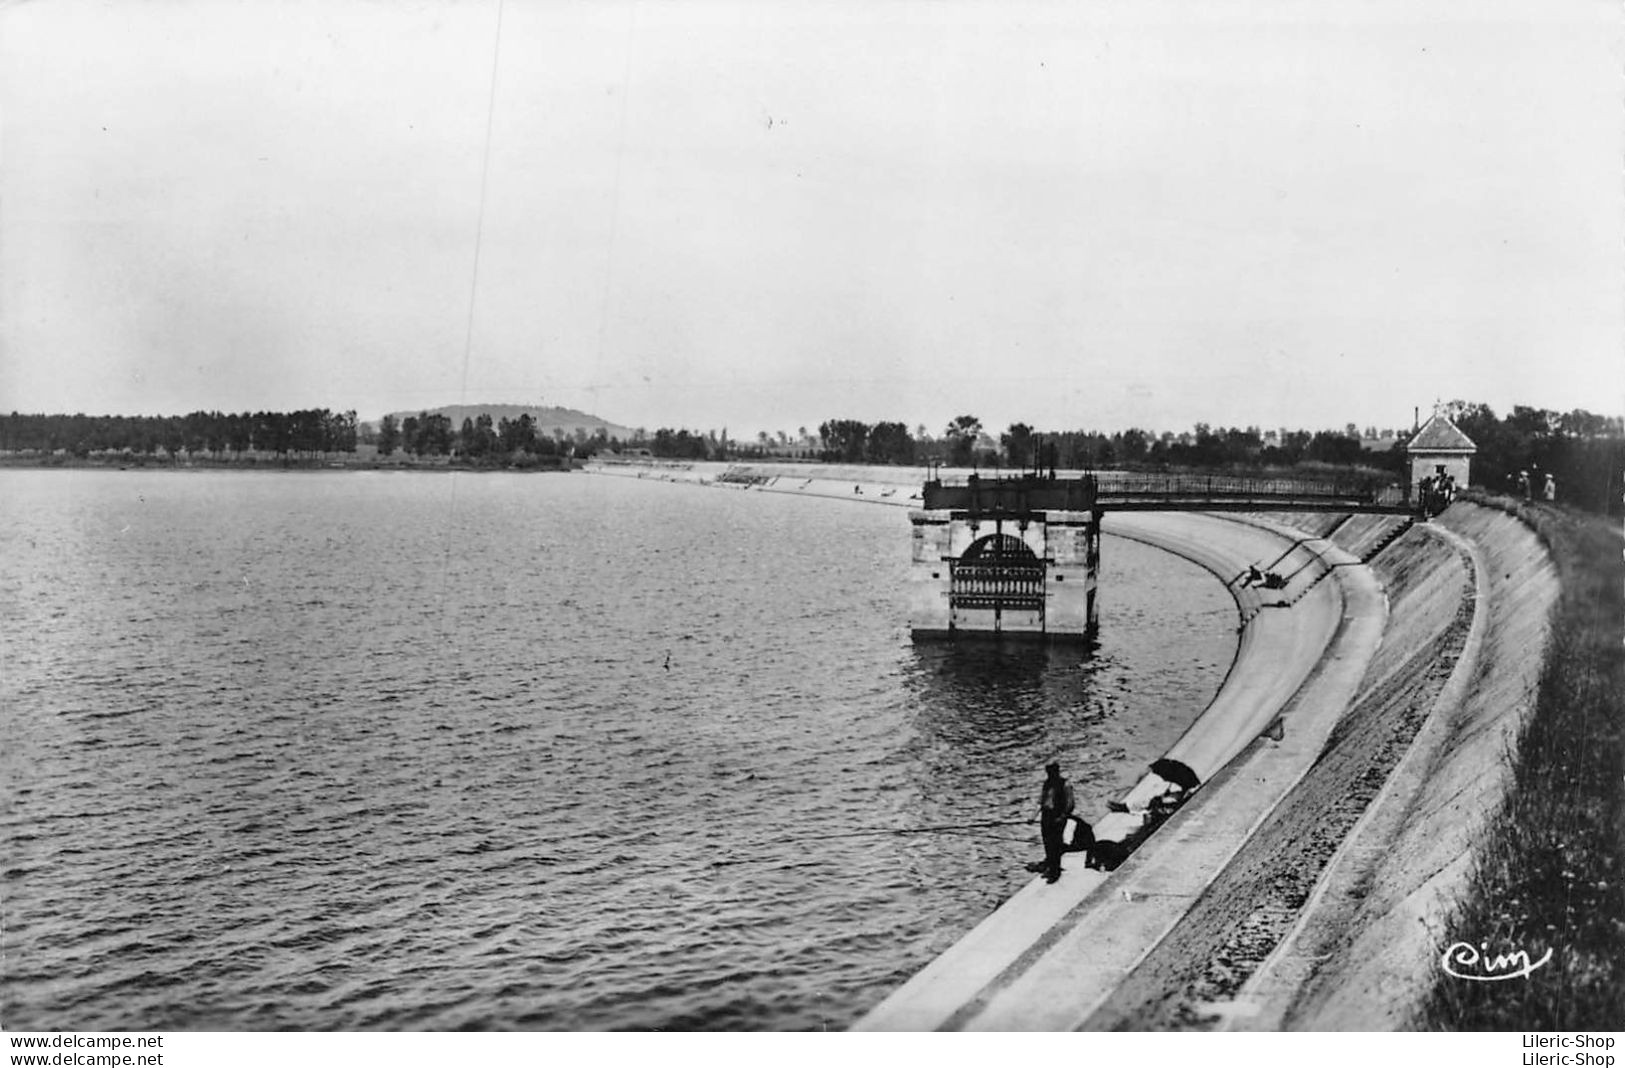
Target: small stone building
pixel 1440 447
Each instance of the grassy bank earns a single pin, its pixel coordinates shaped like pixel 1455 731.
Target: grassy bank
pixel 1551 874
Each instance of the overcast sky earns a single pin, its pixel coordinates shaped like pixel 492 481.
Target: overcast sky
pixel 1091 213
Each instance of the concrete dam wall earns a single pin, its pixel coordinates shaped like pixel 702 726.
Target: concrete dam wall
pixel 1196 976
pixel 1364 952
pixel 1359 744
pixel 1301 655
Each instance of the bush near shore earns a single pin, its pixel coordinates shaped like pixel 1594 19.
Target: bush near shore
pixel 1551 873
pixel 319 462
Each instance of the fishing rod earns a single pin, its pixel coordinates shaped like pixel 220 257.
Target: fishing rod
pixel 946 828
pixel 951 829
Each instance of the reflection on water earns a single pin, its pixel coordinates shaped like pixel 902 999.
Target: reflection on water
pixel 342 750
pixel 981 689
pixel 984 708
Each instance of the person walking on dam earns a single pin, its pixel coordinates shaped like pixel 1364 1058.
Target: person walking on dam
pixel 1055 803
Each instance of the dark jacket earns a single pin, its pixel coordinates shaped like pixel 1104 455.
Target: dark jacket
pixel 1055 803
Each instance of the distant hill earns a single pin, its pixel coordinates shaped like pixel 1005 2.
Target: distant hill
pixel 547 419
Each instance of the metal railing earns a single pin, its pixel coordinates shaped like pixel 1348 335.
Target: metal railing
pixel 1181 491
pixel 1121 486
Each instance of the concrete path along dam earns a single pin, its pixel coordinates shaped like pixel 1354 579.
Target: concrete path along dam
pixel 1355 747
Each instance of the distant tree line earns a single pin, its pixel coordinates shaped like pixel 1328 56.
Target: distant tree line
pixel 477 441
pixel 850 441
pixel 682 445
pixel 316 432
pixel 1212 447
pixel 303 433
pixel 668 443
pixel 963 444
pixel 1585 452
pixel 513 441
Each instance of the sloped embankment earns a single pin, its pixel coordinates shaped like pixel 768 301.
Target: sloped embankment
pixel 1547 874
pixel 1189 977
pixel 1085 933
pixel 1368 951
pixel 1326 917
pixel 1333 914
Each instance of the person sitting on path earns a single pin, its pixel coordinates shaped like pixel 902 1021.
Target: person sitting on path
pixel 1083 841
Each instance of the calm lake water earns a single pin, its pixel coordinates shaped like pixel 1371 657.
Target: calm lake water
pixel 388 750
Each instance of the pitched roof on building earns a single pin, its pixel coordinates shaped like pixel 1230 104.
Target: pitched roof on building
pixel 1439 433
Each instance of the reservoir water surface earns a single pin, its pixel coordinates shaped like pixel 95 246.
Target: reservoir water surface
pixel 385 750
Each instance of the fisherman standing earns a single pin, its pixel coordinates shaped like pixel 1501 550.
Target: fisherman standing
pixel 1055 803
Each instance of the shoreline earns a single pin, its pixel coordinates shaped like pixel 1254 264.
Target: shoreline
pixel 245 465
pixel 1338 824
pixel 1311 881
pixel 1280 658
pixel 1086 933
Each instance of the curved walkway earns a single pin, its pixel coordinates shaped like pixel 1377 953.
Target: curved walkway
pixel 1300 665
pixel 1301 655
pixel 1361 949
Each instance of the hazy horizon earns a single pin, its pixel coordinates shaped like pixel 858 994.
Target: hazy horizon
pixel 718 214
pixel 932 430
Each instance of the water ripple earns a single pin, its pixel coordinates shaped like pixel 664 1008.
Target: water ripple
pixel 347 752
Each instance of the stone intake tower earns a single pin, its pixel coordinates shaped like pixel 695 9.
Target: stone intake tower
pixel 1013 557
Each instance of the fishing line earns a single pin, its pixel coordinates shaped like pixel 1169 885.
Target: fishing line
pixel 479 219
pixel 952 830
pixel 615 202
pixel 946 828
pixel 473 293
pixel 989 837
